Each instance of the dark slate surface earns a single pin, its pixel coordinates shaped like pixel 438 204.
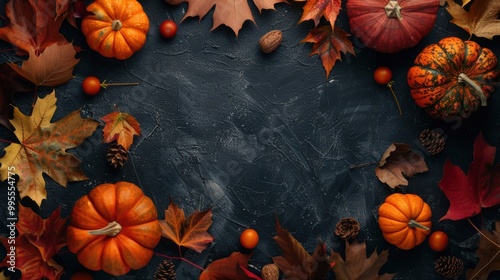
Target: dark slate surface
pixel 256 136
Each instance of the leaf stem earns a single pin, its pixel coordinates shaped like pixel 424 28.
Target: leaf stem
pixel 105 85
pixel 363 165
pixel 182 259
pixel 482 234
pixel 389 85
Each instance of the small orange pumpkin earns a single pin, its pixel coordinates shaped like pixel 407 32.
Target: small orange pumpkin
pixel 116 28
pixel 405 220
pixel 114 228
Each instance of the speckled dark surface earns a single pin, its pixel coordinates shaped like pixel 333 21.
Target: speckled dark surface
pixel 256 136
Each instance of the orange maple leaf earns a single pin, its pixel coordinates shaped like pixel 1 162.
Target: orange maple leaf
pixel 232 13
pixel 120 127
pixel 36 244
pixel 329 45
pixel 191 232
pixel 51 68
pixel 314 9
pixel 42 148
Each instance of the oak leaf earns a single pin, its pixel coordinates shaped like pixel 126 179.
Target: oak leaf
pixel 33 25
pixel 120 127
pixel 42 148
pixel 357 266
pixel 315 9
pixel 232 13
pixel 488 253
pixel 481 19
pixel 190 232
pixel 329 45
pixel 296 263
pixel 51 68
pixel 480 188
pixel 232 267
pixel 36 244
pixel 398 162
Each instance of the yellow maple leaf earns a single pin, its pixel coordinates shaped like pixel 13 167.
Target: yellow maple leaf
pixel 42 148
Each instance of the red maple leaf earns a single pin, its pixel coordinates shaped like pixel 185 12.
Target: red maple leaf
pixel 36 244
pixel 314 9
pixel 33 24
pixel 328 45
pixel 232 267
pixel 480 188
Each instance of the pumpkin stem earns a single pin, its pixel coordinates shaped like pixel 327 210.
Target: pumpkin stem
pixel 393 10
pixel 112 229
pixel 462 77
pixel 389 85
pixel 413 224
pixel 116 25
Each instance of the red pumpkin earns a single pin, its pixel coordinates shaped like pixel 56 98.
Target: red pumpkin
pixel 114 228
pixel 391 25
pixel 452 78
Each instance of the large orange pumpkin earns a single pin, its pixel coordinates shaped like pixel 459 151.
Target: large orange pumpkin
pixel 116 28
pixel 453 78
pixel 405 220
pixel 114 228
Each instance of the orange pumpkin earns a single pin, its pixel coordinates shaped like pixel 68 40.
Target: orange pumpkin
pixel 116 28
pixel 114 228
pixel 405 220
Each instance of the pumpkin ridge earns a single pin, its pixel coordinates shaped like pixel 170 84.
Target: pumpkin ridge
pixel 454 68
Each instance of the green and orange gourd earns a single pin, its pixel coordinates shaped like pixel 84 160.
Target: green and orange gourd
pixel 453 78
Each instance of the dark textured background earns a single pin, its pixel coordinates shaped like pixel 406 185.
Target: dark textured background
pixel 256 136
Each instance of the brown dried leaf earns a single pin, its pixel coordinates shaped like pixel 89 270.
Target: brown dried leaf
pixel 481 19
pixel 356 266
pixel 51 68
pixel 488 253
pixel 296 263
pixel 398 162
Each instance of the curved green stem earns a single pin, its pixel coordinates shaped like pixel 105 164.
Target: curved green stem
pixel 463 78
pixel 415 224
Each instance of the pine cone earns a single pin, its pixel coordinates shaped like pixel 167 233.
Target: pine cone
pixel 449 266
pixel 433 140
pixel 165 271
pixel 347 228
pixel 117 155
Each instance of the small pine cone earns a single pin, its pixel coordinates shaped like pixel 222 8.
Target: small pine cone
pixel 117 155
pixel 449 266
pixel 433 140
pixel 165 271
pixel 347 228
pixel 270 272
